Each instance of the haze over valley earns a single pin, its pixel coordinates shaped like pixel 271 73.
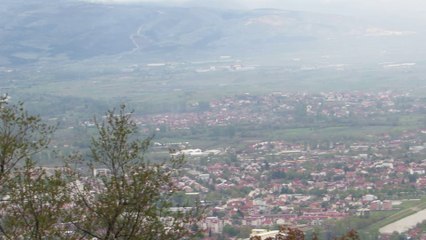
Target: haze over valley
pixel 307 113
pixel 130 50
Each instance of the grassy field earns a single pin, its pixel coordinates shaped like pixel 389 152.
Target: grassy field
pixel 344 132
pixel 109 79
pixel 407 208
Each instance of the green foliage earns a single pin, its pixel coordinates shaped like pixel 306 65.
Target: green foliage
pixel 136 198
pixel 278 175
pixel 244 232
pixel 230 231
pixel 275 210
pixel 134 201
pixel 21 136
pixel 33 201
pixel 39 204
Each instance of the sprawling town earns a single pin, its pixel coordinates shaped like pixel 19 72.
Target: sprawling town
pixel 213 120
pixel 316 175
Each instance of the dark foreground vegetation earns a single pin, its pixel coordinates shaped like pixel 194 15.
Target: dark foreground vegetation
pixel 126 197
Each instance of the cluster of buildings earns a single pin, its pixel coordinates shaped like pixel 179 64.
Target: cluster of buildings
pixel 265 183
pixel 286 109
pixel 276 182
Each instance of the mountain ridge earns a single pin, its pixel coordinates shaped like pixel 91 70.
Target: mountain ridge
pixel 79 30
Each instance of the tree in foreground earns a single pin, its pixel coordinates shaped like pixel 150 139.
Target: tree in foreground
pixel 133 201
pixel 21 136
pixel 36 204
pixel 28 209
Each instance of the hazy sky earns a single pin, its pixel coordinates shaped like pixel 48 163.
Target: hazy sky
pixel 394 4
pixel 370 7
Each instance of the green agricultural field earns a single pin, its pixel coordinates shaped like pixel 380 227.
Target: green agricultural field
pixel 407 208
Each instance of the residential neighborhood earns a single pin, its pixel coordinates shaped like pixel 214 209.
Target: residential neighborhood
pixel 306 181
pixel 310 161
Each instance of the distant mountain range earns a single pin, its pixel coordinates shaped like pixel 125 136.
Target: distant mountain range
pixel 32 31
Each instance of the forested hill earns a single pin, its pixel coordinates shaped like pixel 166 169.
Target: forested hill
pixel 32 32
